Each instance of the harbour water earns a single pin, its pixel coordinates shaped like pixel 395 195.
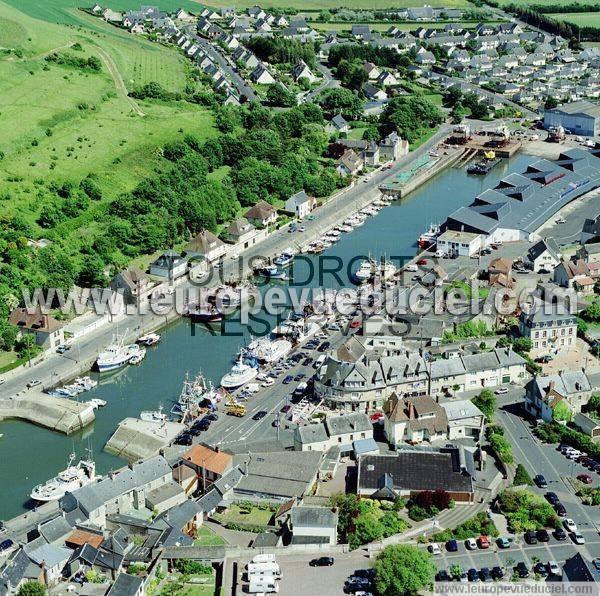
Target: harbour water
pixel 30 455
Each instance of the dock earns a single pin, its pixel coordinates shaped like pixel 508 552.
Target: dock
pixel 138 439
pixel 56 413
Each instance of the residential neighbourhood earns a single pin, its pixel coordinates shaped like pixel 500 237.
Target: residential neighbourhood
pixel 347 342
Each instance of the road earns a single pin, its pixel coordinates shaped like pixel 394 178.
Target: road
pixel 492 96
pixel 328 82
pixel 216 56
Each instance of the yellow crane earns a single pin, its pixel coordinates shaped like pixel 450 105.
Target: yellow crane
pixel 234 407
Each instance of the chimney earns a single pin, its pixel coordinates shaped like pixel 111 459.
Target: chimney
pixel 130 465
pixel 217 449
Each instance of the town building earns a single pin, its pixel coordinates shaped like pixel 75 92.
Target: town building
pixel 313 525
pixel 136 286
pixel 207 246
pixel 244 234
pixel 544 254
pixel 338 124
pixel 544 393
pixel 208 464
pixel 261 214
pixel 580 117
pixel 349 164
pixel 414 420
pixel 465 419
pixel 335 431
pixel 170 265
pixel 300 204
pixel 551 327
pixel 409 472
pixel 47 331
pixel 463 244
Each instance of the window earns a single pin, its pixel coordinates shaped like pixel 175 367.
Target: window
pixel 537 334
pixel 570 332
pixel 562 331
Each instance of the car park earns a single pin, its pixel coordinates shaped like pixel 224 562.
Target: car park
pixel 322 562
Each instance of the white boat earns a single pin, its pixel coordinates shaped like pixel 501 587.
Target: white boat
pixel 345 228
pixel 154 415
pixel 150 339
pixel 333 233
pixel 285 258
pixel 86 383
pixel 232 297
pixel 70 479
pixel 116 355
pixel 365 271
pixel 138 356
pixel 191 392
pixel 63 392
pixel 240 374
pixel 267 350
pixel 428 238
pixel 97 402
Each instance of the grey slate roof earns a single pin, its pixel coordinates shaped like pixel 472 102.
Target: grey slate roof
pixel 546 244
pixel 50 555
pixel 126 585
pixel 91 497
pixel 311 433
pixel 210 500
pixel 14 571
pixel 55 529
pixel 346 424
pixel 179 516
pixel 302 516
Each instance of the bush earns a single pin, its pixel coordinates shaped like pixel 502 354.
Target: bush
pixel 556 433
pixel 525 510
pixel 522 476
pixel 479 525
pixel 190 567
pixel 486 402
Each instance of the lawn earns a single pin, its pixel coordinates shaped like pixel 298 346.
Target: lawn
pixel 323 4
pixel 235 515
pixel 583 19
pixel 206 537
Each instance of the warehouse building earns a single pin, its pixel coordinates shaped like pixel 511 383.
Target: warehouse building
pixel 521 203
pixel 579 117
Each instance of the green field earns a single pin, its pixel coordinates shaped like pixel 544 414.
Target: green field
pixel 324 4
pixel 583 19
pixel 62 123
pixel 339 26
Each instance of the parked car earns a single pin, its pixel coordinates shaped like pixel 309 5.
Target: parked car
pixel 530 537
pixel 560 510
pixel 560 534
pixel 501 391
pixel 288 379
pixel 540 481
pixel 522 570
pixel 483 542
pixel 570 525
pixel 585 478
pixel 260 414
pixel 63 348
pixel 485 574
pixel 308 361
pixel 497 572
pixel 322 562
pixel 33 383
pixel 473 575
pixel 324 346
pixel 503 542
pixel 451 546
pixel 554 568
pixel 577 538
pixel 422 262
pixel 411 268
pixel 540 569
pixel 268 382
pixel 434 549
pixel 552 498
pixel 471 543
pixel 442 576
pixel 286 408
pixel 543 536
pixel 6 544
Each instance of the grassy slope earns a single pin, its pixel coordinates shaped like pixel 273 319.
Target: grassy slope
pixel 322 4
pixel 583 19
pixel 81 141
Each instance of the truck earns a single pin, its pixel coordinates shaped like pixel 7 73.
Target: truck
pixel 234 407
pixel 266 568
pixel 263 558
pixel 556 134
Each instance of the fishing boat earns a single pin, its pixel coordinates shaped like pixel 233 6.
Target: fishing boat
pixel 285 258
pixel 204 313
pixel 86 383
pixel 150 339
pixel 273 272
pixel 192 392
pixel 429 237
pixel 345 228
pixel 365 271
pixel 232 297
pixel 240 374
pixel 154 415
pixel 69 480
pixel 484 165
pixel 116 355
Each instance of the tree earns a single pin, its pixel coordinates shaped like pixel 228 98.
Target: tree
pixel 32 588
pixel 562 412
pixel 279 96
pixel 550 103
pixel 401 570
pixel 91 274
pixel 486 402
pixel 341 101
pixel 522 345
pixel 522 476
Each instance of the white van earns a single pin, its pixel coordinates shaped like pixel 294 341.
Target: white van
pixel 264 558
pixel 264 568
pixel 267 586
pixel 319 361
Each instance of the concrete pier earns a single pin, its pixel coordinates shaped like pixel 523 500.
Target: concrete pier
pixel 137 439
pixel 56 413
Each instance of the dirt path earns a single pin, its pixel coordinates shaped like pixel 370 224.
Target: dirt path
pixel 118 79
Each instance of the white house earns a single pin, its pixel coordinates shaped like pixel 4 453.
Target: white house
pixel 316 525
pixel 206 245
pixel 464 244
pixel 300 204
pixel 301 70
pixel 544 254
pixel 465 419
pixel 262 76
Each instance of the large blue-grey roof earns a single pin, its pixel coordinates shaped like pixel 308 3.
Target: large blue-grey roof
pixel 532 198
